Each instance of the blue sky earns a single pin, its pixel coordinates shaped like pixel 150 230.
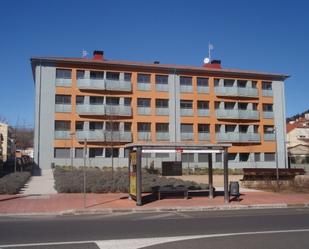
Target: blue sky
pixel 270 36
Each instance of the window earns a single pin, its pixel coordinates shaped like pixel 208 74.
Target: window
pixel 143 102
pixel 112 126
pixel 185 81
pixel 62 153
pixel 218 157
pixel 96 100
pixel 267 107
pixel 162 155
pixel 127 76
pixel 62 125
pixel 95 126
pixel 162 127
pixel 255 128
pixel 80 100
pixel 203 128
pixel 112 100
pixel 232 156
pixel 244 157
pixel 127 101
pixel 186 128
pixel 161 79
pixel 217 128
pixel 187 157
pixel 228 83
pixel 217 105
pixel 269 157
pixel 202 157
pixel 266 85
pixel 79 152
pixel 229 105
pixel 254 106
pixel 230 128
pixel 202 82
pixel 63 99
pixel 257 157
pixel 241 83
pixel 254 84
pixel 80 74
pixel 127 126
pixel 162 103
pixel 143 78
pixel 186 104
pixel 269 129
pixel 243 128
pixel 95 152
pixel 202 104
pixel 143 127
pixel 79 125
pixel 96 75
pixel 63 73
pixel 112 76
pixel 216 82
pixel 242 106
pixel 108 152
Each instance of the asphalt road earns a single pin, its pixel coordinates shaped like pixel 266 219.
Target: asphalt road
pixel 284 228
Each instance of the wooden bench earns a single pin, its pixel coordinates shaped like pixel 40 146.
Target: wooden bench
pixel 253 174
pixel 170 190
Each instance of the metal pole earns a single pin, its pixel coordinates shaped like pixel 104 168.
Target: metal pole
pixel 226 177
pixel 210 176
pixel 14 155
pixel 72 134
pixel 276 154
pixel 138 176
pixel 84 189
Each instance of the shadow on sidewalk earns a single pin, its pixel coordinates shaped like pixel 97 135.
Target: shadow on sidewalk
pixel 106 202
pixel 17 197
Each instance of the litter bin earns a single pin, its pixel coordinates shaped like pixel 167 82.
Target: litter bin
pixel 234 189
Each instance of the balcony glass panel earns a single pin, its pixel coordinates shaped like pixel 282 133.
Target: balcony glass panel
pixel 202 89
pixel 90 109
pixel 64 82
pixel 143 110
pixel 186 112
pixel 96 135
pixel 237 114
pixel 62 135
pixel 144 135
pixel 187 136
pixel 118 85
pixel 118 136
pixel 238 137
pixel 118 110
pixel 63 108
pixel 267 93
pixel 163 136
pixel 186 88
pixel 269 136
pixel 268 115
pixel 203 112
pixel 86 83
pixel 162 111
pixel 162 87
pixel 143 86
pixel 236 91
pixel 203 136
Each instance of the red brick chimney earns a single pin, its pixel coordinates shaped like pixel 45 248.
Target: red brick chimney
pixel 213 64
pixel 98 55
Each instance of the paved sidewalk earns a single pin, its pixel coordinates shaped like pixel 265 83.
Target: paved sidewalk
pixel 119 202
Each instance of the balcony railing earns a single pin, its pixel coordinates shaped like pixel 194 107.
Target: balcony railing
pixel 203 136
pixel 94 135
pixel 186 112
pixel 162 87
pixel 165 136
pixel 268 115
pixel 118 85
pixel 118 110
pixel 202 89
pixel 185 136
pixel 203 112
pixel 87 109
pixel 144 135
pixel 143 110
pixel 62 135
pixel 236 91
pixel 186 89
pixel 269 136
pixel 118 136
pixel 267 93
pixel 94 84
pixel 64 82
pixel 237 114
pixel 63 107
pixel 162 111
pixel 238 137
pixel 143 86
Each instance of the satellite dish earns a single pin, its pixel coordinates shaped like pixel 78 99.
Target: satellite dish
pixel 206 60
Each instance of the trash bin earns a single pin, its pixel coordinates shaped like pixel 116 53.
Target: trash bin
pixel 234 189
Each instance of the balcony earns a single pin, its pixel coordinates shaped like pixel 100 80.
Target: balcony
pixel 94 135
pixel 118 136
pixel 267 93
pixel 63 108
pixel 143 110
pixel 186 112
pixel 87 109
pixel 237 114
pixel 118 85
pixel 118 110
pixel 162 111
pixel 268 115
pixel 143 86
pixel 237 91
pixel 203 112
pixel 162 87
pixel 163 136
pixel 269 136
pixel 238 137
pixel 64 82
pixel 203 136
pixel 185 136
pixel 144 135
pixel 186 88
pixel 92 84
pixel 202 89
pixel 62 135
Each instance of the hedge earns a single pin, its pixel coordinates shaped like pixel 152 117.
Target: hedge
pixel 12 183
pixel 71 180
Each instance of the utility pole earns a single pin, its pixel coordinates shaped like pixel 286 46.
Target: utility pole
pixel 85 156
pixel 72 148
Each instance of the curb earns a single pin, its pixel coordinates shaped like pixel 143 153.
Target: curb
pixel 77 212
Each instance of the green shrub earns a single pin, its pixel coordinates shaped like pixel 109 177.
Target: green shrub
pixel 12 183
pixel 71 180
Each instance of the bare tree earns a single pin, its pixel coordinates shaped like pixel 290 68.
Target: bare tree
pixel 3 119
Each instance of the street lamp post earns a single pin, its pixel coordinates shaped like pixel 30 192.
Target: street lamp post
pixel 72 148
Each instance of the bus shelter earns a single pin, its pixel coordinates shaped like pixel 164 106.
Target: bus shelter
pixel 135 163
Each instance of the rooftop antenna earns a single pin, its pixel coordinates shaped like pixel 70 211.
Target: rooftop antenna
pixel 84 53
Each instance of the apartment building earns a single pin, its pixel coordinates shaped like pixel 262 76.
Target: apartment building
pixel 107 104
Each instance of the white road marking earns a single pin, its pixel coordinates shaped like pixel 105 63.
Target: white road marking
pixel 143 242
